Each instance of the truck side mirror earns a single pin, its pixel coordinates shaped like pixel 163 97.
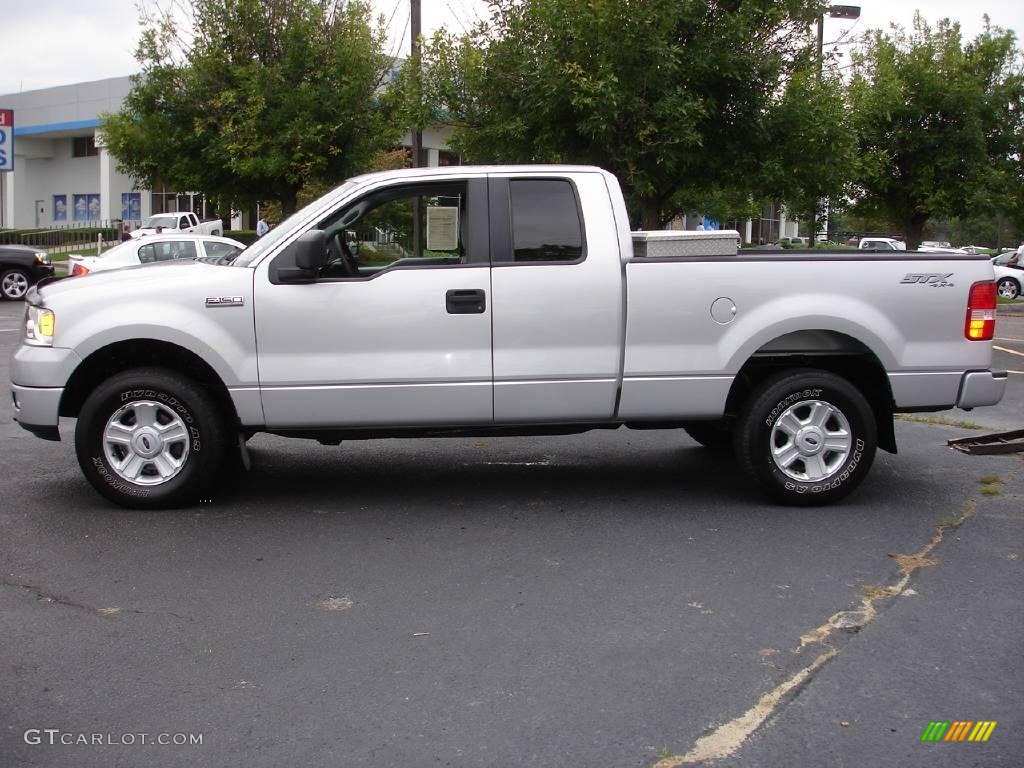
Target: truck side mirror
pixel 308 253
pixel 310 250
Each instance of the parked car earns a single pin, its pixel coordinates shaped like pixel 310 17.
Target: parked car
pixel 21 267
pixel 184 221
pixel 1009 273
pixel 156 248
pixel 881 244
pixel 523 305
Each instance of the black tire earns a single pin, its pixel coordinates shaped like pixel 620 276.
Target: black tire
pixel 169 396
pixel 14 284
pixel 715 435
pixel 827 475
pixel 1008 288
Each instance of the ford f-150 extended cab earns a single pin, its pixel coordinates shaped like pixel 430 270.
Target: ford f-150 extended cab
pixel 501 301
pixel 173 223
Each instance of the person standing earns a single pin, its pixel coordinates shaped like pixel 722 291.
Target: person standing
pixel 261 227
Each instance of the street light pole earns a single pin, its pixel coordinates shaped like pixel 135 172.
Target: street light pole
pixel 834 12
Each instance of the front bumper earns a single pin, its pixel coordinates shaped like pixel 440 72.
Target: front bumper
pixel 40 373
pixel 42 271
pixel 37 409
pixel 978 388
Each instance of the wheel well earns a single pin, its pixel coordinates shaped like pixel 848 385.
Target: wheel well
pixel 827 350
pixel 138 353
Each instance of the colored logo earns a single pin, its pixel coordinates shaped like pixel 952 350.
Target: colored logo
pixel 958 730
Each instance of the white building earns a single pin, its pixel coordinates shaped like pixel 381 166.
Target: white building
pixel 63 176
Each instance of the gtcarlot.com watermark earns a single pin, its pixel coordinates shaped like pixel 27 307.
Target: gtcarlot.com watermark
pixel 55 736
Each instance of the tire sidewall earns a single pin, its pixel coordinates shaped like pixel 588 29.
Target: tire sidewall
pixel 787 393
pixel 183 400
pixel 23 273
pixel 1015 283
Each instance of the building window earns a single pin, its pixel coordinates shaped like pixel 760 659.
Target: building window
pixel 84 146
pixel 448 158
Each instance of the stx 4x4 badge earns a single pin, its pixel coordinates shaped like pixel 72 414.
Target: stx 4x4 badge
pixel 225 301
pixel 934 279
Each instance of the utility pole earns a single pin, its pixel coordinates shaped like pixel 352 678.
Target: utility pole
pixel 417 134
pixel 414 31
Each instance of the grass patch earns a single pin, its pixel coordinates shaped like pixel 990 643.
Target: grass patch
pixel 939 421
pixel 990 480
pixel 990 490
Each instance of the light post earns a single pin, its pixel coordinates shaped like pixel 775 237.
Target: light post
pixel 834 12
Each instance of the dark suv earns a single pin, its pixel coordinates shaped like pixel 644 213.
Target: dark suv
pixel 21 266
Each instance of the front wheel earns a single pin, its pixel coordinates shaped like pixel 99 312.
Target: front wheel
pixel 14 284
pixel 808 437
pixel 1008 288
pixel 150 438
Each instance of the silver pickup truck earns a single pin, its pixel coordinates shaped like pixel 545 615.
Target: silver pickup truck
pixel 501 301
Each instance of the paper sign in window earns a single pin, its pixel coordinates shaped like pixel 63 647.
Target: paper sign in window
pixel 442 228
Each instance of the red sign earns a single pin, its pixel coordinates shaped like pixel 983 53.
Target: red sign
pixel 6 118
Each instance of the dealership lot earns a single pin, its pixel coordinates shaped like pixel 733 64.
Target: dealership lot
pixel 604 599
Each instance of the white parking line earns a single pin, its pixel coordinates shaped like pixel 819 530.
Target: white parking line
pixel 1011 351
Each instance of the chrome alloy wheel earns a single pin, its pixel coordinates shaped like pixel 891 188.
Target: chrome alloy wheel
pixel 15 285
pixel 145 443
pixel 1008 289
pixel 811 440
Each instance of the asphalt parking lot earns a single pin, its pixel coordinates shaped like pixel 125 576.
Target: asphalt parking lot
pixel 610 599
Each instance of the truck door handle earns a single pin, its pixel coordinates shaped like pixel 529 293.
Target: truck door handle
pixel 465 302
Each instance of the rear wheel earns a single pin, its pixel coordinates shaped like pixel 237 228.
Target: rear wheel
pixel 807 437
pixel 1008 288
pixel 150 438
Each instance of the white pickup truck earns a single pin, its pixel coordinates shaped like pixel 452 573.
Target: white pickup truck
pixel 175 223
pixel 501 301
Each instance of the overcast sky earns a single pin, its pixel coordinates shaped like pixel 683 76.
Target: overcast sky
pixel 44 43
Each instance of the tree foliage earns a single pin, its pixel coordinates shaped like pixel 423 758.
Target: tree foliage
pixel 938 124
pixel 253 99
pixel 814 148
pixel 673 96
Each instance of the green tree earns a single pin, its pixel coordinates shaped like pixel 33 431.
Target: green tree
pixel 814 149
pixel 673 96
pixel 938 124
pixel 256 99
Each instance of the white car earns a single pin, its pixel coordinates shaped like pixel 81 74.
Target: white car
pixel 881 244
pixel 1009 276
pixel 153 249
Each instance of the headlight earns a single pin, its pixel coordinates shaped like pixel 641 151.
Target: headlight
pixel 42 258
pixel 39 326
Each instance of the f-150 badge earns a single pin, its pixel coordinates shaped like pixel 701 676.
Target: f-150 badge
pixel 935 280
pixel 225 301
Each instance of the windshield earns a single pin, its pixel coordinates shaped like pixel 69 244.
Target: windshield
pixel 282 230
pixel 160 221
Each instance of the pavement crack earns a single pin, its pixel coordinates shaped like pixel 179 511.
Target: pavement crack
pixel 44 596
pixel 729 737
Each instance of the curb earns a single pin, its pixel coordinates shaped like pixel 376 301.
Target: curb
pixel 1017 308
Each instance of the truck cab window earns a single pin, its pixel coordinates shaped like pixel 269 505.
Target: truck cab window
pixel 421 226
pixel 545 221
